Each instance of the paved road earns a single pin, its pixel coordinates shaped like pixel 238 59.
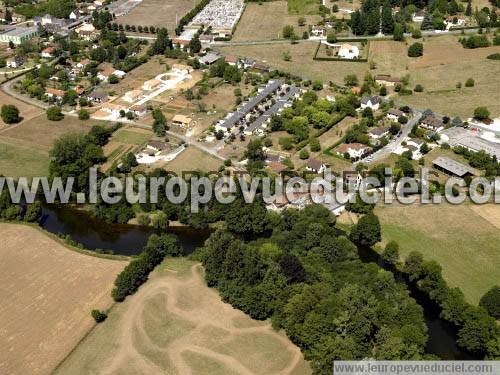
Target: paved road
pixel 396 142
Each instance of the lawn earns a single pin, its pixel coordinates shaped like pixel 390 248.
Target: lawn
pixel 22 161
pixel 303 6
pixel 193 159
pixel 264 21
pixel 175 324
pixel 132 136
pixel 464 242
pixel 47 294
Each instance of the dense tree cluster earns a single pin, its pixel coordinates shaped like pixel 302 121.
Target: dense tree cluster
pixel 309 280
pixel 137 271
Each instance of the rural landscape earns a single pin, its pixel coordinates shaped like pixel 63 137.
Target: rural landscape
pixel 185 100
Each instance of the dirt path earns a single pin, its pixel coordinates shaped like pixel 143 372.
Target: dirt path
pixel 187 297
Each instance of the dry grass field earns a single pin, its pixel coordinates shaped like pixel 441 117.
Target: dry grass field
pixel 302 62
pixel 263 21
pixel 26 111
pixel 463 239
pixel 47 294
pixel 193 159
pixel 24 147
pixel 444 64
pixel 158 13
pixel 175 324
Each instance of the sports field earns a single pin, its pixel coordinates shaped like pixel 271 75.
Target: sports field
pixel 47 294
pixel 463 239
pixel 175 324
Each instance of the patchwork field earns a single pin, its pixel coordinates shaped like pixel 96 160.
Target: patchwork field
pixel 463 239
pixel 158 13
pixel 47 294
pixel 175 324
pixel 263 21
pixel 444 64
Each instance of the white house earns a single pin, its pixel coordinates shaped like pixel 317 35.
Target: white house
pixel 74 15
pixel 318 31
pixel 354 150
pixel 377 133
pixel 348 51
pixel 104 74
pixel 315 166
pixel 372 102
pixel 394 114
pixel 132 96
pixel 112 109
pixel 418 16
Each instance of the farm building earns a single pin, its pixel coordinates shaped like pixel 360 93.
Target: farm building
pixel 452 167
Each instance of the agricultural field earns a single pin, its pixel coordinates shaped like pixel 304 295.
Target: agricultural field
pixel 158 13
pixel 444 64
pixel 175 324
pixel 301 63
pixel 470 258
pixel 47 294
pixel 264 21
pixel 24 147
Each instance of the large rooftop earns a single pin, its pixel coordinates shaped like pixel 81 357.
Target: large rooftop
pixel 452 166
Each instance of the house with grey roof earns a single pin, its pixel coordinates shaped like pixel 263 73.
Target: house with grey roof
pixel 372 102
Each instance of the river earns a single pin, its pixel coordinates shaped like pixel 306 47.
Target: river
pixel 125 239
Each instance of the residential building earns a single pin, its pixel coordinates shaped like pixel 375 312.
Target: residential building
pixel 387 80
pixel 132 96
pixel 372 102
pixel 112 109
pixel 418 16
pixel 16 62
pixel 48 52
pixel 377 133
pixel 182 121
pixel 354 150
pixel 86 31
pixel 139 110
pixel 232 60
pixel 74 15
pixel 432 123
pixel 98 97
pixel 318 31
pixel 157 146
pixel 54 93
pixel 394 114
pixel 315 166
pixel 18 34
pixel 348 51
pixel 210 58
pixel 108 71
pixel 18 18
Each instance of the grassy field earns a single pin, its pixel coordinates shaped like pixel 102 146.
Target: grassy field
pixel 444 64
pixel 193 159
pixel 263 21
pixel 463 239
pixel 47 294
pixel 302 62
pixel 158 13
pixel 132 136
pixel 175 324
pixel 24 147
pixel 303 6
pixel 26 111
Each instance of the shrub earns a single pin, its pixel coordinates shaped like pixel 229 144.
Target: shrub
pixel 10 114
pixel 98 316
pixel 54 114
pixel 491 302
pixel 304 154
pixel 383 91
pixel 419 88
pixel 83 114
pixel 494 56
pixel 469 83
pixel 416 50
pixel 481 113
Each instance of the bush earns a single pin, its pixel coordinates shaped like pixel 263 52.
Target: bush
pixel 54 114
pixel 494 56
pixel 416 50
pixel 419 88
pixel 304 154
pixel 83 114
pixel 481 113
pixel 10 114
pixel 491 302
pixel 314 145
pixel 98 316
pixel 469 83
pixel 383 91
